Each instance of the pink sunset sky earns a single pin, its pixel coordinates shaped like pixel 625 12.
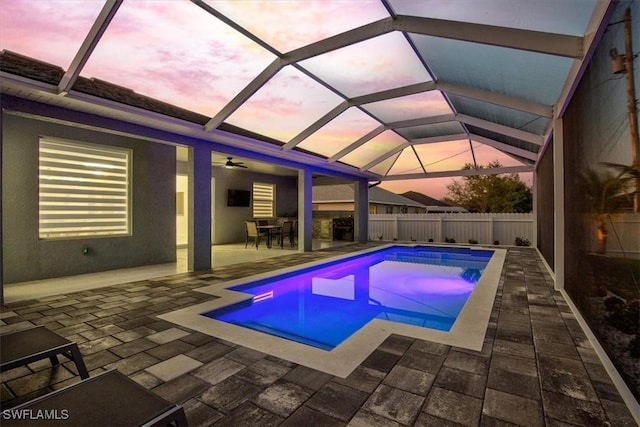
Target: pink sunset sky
pixel 435 187
pixel 176 52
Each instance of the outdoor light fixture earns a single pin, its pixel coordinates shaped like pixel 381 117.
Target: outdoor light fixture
pixel 617 62
pixel 230 164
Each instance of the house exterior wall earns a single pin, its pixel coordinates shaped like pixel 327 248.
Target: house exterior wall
pixel 26 257
pixel 383 209
pixel 373 208
pixel 229 220
pixel 346 206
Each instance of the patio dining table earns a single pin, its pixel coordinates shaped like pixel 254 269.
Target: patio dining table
pixel 269 229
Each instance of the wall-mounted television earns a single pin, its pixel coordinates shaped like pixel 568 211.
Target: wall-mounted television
pixel 238 198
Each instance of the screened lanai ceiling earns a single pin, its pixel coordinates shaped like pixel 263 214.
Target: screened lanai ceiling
pixel 392 89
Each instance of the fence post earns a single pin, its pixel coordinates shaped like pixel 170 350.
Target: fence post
pixel 491 230
pixel 439 235
pixel 395 227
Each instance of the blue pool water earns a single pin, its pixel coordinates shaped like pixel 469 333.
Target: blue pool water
pixel 324 305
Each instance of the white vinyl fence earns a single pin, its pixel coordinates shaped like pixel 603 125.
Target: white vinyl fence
pixel 461 227
pixel 623 235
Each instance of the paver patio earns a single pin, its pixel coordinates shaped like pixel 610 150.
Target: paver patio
pixel 536 368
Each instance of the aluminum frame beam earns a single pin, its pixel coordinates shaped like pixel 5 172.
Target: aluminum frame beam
pixel 357 101
pixel 533 41
pixel 339 109
pixel 88 45
pixel 377 131
pixel 385 156
pixel 245 94
pixel 501 129
pixel 443 138
pixel 341 40
pixel 504 147
pixel 513 102
pixel 444 118
pixel 598 22
pixel 462 172
pixel 393 93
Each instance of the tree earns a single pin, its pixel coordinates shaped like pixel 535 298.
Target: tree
pixel 491 193
pixel 608 193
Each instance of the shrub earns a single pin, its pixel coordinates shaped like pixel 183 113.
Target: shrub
pixel 496 242
pixel 633 307
pixel 521 241
pixel 601 292
pixel 613 304
pixel 430 240
pixel 449 240
pixel 473 242
pixel 623 316
pixel 634 347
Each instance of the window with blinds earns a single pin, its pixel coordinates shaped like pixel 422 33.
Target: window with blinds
pixel 263 200
pixel 83 190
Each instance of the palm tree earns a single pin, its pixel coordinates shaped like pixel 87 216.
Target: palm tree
pixel 630 173
pixel 608 193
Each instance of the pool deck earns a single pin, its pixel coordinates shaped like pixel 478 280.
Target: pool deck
pixel 536 367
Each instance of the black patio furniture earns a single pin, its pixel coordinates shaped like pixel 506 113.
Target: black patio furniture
pixel 22 347
pixel 109 399
pixel 271 230
pixel 252 232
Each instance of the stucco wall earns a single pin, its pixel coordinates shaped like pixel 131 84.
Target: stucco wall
pixel 26 257
pixel 228 221
pixel 333 206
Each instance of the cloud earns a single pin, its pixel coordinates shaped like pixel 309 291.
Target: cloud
pixel 340 132
pixel 290 24
pixel 51 31
pixel 176 52
pixel 291 95
pixel 384 62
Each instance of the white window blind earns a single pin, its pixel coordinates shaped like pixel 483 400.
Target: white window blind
pixel 263 200
pixel 84 190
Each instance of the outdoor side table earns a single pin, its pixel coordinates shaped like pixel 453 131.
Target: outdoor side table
pixel 109 399
pixel 30 345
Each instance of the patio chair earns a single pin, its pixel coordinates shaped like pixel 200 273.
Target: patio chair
pixel 252 232
pixel 294 232
pixel 286 232
pixel 108 399
pixel 22 347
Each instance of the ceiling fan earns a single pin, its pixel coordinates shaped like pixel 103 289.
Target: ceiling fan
pixel 231 164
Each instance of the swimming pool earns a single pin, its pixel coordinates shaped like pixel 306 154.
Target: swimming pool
pixel 468 331
pixel 322 306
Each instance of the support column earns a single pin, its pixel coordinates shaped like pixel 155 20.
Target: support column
pixel 1 209
pixel 200 212
pixel 558 201
pixel 534 190
pixel 361 211
pixel 305 211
